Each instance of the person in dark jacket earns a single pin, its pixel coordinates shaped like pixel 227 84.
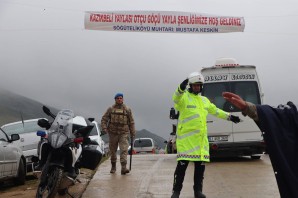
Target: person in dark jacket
pixel 280 130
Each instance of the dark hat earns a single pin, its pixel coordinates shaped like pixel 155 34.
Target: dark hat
pixel 118 94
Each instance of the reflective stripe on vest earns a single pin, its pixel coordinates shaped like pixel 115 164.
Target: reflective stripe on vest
pixel 180 137
pixel 184 156
pixel 191 106
pixel 189 118
pixel 189 151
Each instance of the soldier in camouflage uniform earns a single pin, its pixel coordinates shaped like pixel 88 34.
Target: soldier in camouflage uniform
pixel 118 122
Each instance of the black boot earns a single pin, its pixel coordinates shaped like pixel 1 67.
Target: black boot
pixel 199 194
pixel 175 194
pixel 198 180
pixel 179 177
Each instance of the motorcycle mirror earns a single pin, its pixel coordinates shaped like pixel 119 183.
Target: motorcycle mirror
pixel 46 110
pixel 43 123
pixel 91 119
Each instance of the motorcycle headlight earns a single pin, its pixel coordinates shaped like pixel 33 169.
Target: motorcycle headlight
pixel 57 139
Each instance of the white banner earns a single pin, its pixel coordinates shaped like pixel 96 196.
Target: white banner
pixel 162 21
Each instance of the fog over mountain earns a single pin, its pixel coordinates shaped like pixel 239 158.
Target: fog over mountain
pixel 14 106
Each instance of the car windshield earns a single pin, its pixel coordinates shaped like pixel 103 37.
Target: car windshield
pixel 19 128
pixel 143 143
pixel 248 90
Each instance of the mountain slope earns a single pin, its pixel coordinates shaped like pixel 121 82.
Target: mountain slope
pixel 13 107
pixel 144 133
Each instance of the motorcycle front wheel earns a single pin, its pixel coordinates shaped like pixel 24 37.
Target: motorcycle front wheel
pixel 50 189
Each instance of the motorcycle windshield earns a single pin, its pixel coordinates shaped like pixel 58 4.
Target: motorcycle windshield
pixel 63 123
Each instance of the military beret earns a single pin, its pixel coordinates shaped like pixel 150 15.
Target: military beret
pixel 118 95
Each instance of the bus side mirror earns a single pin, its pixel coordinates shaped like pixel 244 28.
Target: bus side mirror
pixel 173 114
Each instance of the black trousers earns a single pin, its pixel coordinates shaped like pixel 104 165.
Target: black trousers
pixel 180 173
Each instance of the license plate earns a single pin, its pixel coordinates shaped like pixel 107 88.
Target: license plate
pixel 218 138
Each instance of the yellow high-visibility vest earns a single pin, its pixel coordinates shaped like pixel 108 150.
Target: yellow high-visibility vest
pixel 192 140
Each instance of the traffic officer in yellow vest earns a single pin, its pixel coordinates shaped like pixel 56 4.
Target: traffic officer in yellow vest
pixel 192 140
pixel 118 122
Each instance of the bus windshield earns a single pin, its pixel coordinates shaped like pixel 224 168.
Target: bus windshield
pixel 248 91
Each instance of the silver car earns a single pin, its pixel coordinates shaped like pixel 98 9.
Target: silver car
pixel 12 160
pixel 144 145
pixel 28 141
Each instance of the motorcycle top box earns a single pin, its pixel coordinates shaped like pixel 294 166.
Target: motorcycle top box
pixel 91 156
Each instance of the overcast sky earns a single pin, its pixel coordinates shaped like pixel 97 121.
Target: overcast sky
pixel 46 55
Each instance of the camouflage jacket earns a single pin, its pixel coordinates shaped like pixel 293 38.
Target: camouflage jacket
pixel 118 119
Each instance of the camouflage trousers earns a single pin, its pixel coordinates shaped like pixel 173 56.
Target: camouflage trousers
pixel 122 141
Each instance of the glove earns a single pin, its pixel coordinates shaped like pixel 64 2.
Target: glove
pixel 234 119
pixel 184 84
pixel 290 103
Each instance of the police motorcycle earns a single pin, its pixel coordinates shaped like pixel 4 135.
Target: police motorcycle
pixel 63 149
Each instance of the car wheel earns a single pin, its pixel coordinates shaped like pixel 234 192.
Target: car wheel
pixel 20 179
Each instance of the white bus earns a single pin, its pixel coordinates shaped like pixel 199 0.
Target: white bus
pixel 228 138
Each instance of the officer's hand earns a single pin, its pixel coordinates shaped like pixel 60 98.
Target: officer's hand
pixel 234 119
pixel 291 104
pixel 184 84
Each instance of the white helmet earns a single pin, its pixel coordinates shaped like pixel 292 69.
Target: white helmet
pixel 195 77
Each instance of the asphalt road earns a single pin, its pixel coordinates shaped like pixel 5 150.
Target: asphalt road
pixel 152 176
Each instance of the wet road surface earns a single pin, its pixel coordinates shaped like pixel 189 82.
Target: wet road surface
pixel 152 176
